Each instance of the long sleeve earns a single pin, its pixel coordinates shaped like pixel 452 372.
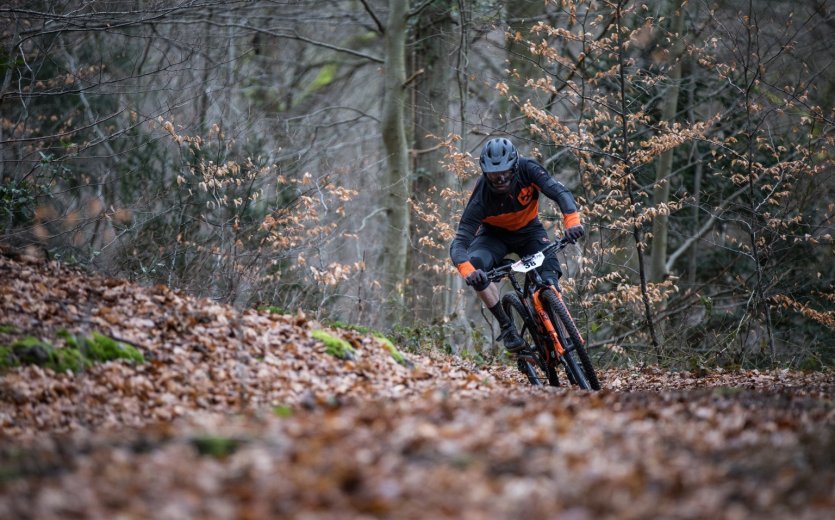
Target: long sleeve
pixel 467 227
pixel 551 188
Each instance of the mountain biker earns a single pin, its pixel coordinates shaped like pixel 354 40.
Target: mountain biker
pixel 501 217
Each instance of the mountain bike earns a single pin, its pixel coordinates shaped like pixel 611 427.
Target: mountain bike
pixel 544 323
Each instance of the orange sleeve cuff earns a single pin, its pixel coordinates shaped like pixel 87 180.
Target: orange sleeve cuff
pixel 465 269
pixel 571 220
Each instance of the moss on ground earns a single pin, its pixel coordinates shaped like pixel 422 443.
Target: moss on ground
pixel 389 344
pixel 272 309
pixel 7 328
pixel 395 354
pixel 216 446
pixel 334 346
pixel 78 353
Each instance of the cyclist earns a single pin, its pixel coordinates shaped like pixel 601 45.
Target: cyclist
pixel 501 217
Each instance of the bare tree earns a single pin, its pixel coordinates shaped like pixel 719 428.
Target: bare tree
pixel 664 165
pixel 431 58
pixel 397 181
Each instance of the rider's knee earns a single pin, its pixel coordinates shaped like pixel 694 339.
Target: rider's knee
pixel 551 277
pixel 481 259
pixel 551 272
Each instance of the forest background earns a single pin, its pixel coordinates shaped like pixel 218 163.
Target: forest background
pixel 316 156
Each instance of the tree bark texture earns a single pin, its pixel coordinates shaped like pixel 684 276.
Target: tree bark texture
pixel 664 166
pixel 396 179
pixel 431 97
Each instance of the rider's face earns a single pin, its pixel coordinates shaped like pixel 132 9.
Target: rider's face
pixel 500 181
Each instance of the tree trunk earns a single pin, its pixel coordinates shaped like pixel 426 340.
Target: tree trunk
pixel 432 65
pixel 396 181
pixel 664 166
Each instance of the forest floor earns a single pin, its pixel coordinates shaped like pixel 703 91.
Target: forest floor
pixel 245 414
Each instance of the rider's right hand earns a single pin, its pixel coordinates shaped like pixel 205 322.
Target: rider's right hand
pixel 478 280
pixel 574 232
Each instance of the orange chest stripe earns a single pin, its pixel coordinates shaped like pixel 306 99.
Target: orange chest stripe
pixel 516 220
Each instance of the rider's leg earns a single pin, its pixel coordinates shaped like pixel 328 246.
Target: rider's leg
pixel 490 295
pixel 534 238
pixel 485 252
pixel 509 335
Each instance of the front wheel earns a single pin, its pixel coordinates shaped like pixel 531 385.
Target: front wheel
pixel 572 341
pixel 530 360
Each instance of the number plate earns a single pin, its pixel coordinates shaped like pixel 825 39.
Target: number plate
pixel 529 263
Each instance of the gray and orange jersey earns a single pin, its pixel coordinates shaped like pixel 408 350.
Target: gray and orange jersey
pixel 510 211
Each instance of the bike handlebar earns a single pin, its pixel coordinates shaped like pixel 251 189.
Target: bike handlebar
pixel 495 275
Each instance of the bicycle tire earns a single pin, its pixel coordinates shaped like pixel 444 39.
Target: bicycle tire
pixel 537 371
pixel 560 316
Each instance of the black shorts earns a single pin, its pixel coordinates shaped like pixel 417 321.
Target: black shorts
pixel 491 245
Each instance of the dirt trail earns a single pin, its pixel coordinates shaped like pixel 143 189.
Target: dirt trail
pixel 244 414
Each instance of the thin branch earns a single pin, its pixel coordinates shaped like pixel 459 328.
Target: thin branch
pixel 296 36
pixel 703 230
pixel 380 28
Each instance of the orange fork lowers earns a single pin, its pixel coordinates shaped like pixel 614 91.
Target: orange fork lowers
pixel 549 327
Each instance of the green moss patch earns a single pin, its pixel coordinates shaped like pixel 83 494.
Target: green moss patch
pixel 216 446
pixel 395 354
pixel 283 410
pixel 7 328
pixel 78 354
pixel 101 348
pixel 336 347
pixel 272 309
pixel 389 344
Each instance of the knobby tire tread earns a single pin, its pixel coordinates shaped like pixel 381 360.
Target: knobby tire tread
pixel 553 302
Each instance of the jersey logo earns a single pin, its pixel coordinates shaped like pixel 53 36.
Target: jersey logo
pixel 525 195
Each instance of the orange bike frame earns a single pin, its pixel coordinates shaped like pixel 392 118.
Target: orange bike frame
pixel 546 321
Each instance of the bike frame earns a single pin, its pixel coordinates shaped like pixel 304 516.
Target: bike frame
pixel 529 294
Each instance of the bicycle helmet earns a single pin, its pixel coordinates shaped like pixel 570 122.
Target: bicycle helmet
pixel 498 164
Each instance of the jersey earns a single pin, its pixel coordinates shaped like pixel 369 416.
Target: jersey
pixel 510 211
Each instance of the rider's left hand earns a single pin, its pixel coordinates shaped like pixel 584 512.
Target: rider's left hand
pixel 478 280
pixel 574 232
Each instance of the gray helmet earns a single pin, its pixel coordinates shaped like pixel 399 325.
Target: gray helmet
pixel 498 155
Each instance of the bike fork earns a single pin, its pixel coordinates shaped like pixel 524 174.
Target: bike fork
pixel 546 321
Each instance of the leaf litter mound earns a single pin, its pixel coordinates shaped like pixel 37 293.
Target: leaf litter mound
pixel 246 414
